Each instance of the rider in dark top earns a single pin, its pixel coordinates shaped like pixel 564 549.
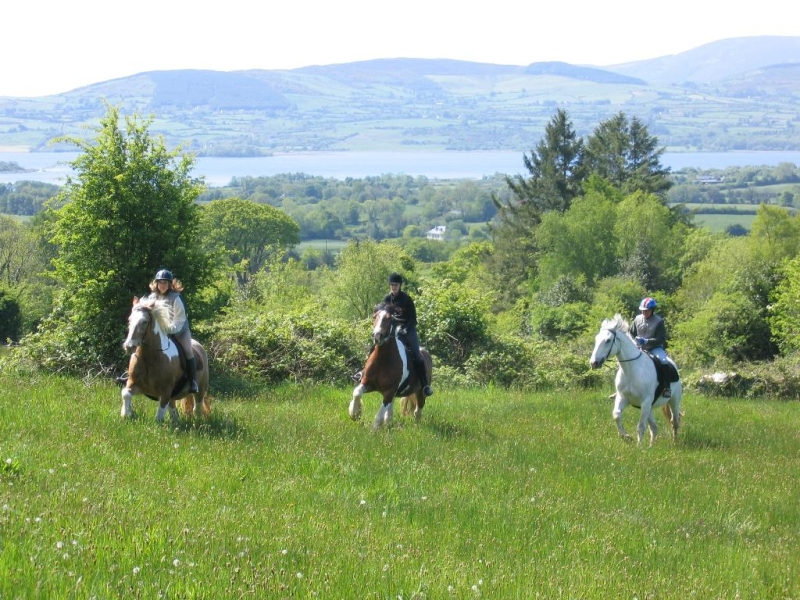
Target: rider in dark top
pixel 406 316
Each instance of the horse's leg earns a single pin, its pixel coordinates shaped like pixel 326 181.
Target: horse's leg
pixel 385 412
pixel 645 419
pixel 419 404
pixel 619 405
pixel 355 404
pixel 201 403
pixel 165 403
pixel 174 415
pixel 653 424
pixel 672 411
pixel 127 406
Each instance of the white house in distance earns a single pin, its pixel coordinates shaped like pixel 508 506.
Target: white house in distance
pixel 437 233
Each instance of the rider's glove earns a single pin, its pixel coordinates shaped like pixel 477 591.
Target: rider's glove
pixel 402 331
pixel 640 341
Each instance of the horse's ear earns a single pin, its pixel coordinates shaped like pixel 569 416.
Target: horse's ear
pixel 135 300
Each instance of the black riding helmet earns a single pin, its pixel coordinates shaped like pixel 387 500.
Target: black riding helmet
pixel 164 275
pixel 395 278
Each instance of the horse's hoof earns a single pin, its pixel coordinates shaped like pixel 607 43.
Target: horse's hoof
pixel 354 411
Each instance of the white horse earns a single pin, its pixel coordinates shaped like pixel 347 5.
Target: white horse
pixel 636 379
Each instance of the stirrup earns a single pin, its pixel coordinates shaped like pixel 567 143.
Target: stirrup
pixel 667 393
pixel 193 389
pixel 427 390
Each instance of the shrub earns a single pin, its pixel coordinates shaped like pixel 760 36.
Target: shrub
pixel 300 346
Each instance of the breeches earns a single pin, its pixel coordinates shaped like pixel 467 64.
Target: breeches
pixel 660 354
pixel 184 338
pixel 411 340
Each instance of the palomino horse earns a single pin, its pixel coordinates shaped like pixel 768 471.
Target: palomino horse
pixel 389 371
pixel 156 368
pixel 636 379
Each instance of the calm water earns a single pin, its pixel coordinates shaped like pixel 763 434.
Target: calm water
pixel 49 167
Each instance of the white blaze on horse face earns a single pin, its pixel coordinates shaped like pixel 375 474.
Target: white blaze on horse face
pixel 382 325
pixel 133 323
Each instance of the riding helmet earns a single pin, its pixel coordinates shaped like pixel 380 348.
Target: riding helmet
pixel 164 275
pixel 395 278
pixel 647 304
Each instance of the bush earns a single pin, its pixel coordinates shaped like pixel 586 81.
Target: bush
pixel 299 346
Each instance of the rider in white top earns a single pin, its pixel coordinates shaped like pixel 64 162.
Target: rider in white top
pixel 165 287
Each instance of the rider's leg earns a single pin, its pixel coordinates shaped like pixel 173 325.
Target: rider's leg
pixel 412 341
pixel 185 340
pixel 661 371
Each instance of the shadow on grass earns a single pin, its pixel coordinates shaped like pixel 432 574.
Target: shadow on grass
pixel 214 426
pixel 223 384
pixel 693 442
pixel 447 430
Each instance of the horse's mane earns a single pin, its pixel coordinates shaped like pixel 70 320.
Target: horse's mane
pixel 616 324
pixel 390 308
pixel 161 311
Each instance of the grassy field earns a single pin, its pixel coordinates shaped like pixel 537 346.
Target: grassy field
pixel 720 223
pixel 495 494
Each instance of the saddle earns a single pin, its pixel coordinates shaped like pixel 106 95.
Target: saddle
pixel 666 373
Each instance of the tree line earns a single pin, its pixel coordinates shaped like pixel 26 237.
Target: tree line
pixel 586 232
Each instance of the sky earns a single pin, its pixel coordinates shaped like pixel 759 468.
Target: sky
pixel 54 46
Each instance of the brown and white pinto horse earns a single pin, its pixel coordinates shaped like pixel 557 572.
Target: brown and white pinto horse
pixel 157 367
pixel 390 372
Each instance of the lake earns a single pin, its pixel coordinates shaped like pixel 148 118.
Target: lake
pixel 49 167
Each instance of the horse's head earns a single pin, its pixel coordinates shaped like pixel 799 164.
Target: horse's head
pixel 138 323
pixel 609 340
pixel 146 316
pixel 382 324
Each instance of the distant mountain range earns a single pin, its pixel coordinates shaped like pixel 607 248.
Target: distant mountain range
pixel 734 94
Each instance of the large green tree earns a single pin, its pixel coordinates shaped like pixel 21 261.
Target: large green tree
pixel 360 279
pixel 128 211
pixel 247 234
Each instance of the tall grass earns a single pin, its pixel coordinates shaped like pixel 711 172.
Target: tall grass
pixel 494 494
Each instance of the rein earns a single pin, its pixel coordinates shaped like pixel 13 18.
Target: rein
pixel 619 360
pixel 151 326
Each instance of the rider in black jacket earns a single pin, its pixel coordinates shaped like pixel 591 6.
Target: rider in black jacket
pixel 406 316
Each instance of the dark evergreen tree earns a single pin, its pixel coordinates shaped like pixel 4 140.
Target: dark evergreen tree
pixel 555 174
pixel 624 153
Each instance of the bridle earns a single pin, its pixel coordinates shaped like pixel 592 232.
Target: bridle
pixel 611 348
pixel 389 331
pixel 150 324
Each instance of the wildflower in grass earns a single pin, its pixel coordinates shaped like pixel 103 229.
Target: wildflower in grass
pixel 10 467
pixel 284 552
pixel 299 575
pixel 59 545
pixel 176 562
pixel 363 502
pixel 136 570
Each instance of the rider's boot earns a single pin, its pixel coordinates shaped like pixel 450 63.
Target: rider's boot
pixel 423 378
pixel 191 367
